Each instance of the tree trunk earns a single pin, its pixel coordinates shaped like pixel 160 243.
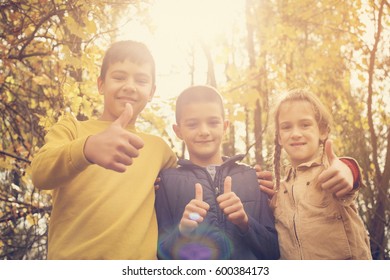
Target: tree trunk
pixel 257 117
pixel 378 220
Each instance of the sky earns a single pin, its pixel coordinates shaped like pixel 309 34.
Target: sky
pixel 178 25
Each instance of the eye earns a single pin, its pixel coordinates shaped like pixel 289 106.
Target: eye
pixel 119 77
pixel 142 81
pixel 306 124
pixel 191 125
pixel 214 123
pixel 285 126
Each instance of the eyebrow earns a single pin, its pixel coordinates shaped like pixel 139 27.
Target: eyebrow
pixel 119 71
pixel 299 121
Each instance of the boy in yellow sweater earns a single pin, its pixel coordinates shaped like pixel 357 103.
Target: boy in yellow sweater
pixel 102 171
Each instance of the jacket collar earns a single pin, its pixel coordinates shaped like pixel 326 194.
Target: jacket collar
pixel 291 171
pixel 226 161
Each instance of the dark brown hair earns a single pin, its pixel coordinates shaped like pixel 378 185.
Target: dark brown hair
pixel 136 52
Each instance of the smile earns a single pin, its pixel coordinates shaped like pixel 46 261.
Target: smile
pixel 204 142
pixel 127 100
pixel 297 144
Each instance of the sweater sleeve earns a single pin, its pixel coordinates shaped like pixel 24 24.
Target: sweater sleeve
pixel 261 235
pixel 61 158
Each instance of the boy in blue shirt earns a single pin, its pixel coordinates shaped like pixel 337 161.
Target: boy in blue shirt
pixel 210 207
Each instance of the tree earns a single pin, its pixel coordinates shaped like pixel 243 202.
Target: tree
pixel 48 55
pixel 380 221
pixel 323 46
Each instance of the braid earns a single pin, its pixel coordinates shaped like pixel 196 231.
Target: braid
pixel 277 153
pixel 322 143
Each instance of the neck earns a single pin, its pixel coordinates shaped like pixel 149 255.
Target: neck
pixel 204 162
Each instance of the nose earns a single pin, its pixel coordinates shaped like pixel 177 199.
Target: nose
pixel 130 86
pixel 296 132
pixel 204 130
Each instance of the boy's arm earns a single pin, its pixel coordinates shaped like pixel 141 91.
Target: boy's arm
pixel 115 147
pixel 265 180
pixel 259 230
pixel 171 232
pixel 261 235
pixel 65 155
pixel 168 231
pixel 61 158
pixel 232 207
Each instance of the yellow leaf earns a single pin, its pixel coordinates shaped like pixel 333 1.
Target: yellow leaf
pixel 42 80
pixel 361 78
pixel 32 220
pixel 5 164
pixel 91 26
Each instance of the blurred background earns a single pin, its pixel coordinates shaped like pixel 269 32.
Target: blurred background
pixel 251 50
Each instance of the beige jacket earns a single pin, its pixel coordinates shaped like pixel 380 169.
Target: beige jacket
pixel 313 224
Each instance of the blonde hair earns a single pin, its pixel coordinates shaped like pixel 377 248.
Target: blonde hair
pixel 321 114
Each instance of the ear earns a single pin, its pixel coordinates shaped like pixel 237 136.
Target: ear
pixel 324 133
pixel 226 124
pixel 100 84
pixel 153 90
pixel 176 129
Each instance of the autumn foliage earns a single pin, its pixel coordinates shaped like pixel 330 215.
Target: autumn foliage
pixel 49 61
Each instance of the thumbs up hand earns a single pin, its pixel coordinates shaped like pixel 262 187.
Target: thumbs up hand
pixel 337 178
pixel 194 212
pixel 115 147
pixel 232 207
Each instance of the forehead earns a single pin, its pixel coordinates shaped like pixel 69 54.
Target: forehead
pixel 299 109
pixel 129 66
pixel 201 109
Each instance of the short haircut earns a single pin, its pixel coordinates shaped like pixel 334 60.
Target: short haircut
pixel 136 52
pixel 196 94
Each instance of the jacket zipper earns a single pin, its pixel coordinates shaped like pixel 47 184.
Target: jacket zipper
pixel 220 215
pixel 294 220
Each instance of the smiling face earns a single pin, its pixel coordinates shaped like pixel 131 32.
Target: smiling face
pixel 126 82
pixel 202 128
pixel 299 133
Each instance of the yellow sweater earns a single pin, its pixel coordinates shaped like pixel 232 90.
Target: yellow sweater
pixel 99 213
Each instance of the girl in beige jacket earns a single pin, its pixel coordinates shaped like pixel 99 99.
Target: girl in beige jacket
pixel 313 220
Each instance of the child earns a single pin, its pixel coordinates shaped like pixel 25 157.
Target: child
pixel 313 220
pixel 102 181
pixel 210 207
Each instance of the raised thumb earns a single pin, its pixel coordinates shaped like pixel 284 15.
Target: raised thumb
pixel 329 151
pixel 198 192
pixel 227 185
pixel 124 119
